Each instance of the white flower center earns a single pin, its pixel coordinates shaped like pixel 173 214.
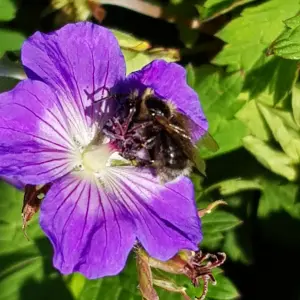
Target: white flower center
pixel 95 158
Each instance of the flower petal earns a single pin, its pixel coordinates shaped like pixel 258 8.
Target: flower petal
pixel 35 146
pixel 90 233
pixel 168 80
pixel 80 61
pixel 16 183
pixel 165 216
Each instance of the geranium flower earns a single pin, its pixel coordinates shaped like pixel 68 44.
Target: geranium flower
pixel 95 211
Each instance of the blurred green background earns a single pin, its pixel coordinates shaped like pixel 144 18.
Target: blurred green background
pixel 242 58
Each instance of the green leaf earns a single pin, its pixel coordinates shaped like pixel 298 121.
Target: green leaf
pixel 128 41
pixel 214 8
pixel 7 10
pixel 248 36
pixel 75 283
pixel 296 103
pixel 254 121
pixel 278 211
pixel 218 94
pixel 272 159
pixel 233 248
pixel 223 290
pixel 271 76
pixel 187 35
pixel 235 185
pixel 25 266
pixel 124 286
pixel 278 196
pixel 212 242
pixel 190 75
pixel 10 40
pixel 7 84
pixel 287 45
pixel 246 52
pixel 288 138
pixel 136 60
pixel 215 224
pixel 219 221
pixel 11 202
pixel 186 16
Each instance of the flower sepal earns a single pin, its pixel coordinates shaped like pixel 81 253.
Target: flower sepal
pixel 33 196
pixel 195 266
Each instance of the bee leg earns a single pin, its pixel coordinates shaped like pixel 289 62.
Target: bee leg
pixel 119 127
pixel 128 119
pixel 112 135
pixel 140 126
pixel 130 141
pixel 149 144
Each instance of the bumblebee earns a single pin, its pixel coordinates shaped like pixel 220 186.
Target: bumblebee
pixel 151 132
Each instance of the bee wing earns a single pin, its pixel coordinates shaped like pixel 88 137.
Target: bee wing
pixel 192 153
pixel 185 142
pixel 208 142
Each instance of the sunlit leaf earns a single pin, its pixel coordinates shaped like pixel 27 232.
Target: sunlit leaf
pixel 75 284
pixel 254 121
pixel 246 52
pixel 249 35
pixel 7 10
pixel 215 8
pixel 128 41
pixel 10 40
pixel 219 221
pixel 277 196
pixel 296 104
pixel 69 10
pixel 288 138
pixel 272 76
pixel 233 186
pixel 218 94
pixel 136 60
pixel 272 159
pixel 287 45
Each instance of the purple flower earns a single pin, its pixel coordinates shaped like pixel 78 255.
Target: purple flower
pixel 95 211
pixel 16 183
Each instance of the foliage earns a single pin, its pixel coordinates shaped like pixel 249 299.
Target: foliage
pixel 249 90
